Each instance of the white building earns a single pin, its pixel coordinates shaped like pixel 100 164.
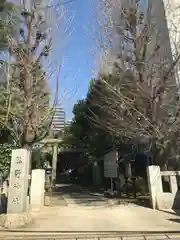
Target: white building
pixel 58 122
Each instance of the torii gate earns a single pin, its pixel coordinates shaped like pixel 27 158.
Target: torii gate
pixel 55 142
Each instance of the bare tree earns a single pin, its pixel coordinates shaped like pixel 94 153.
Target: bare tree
pixel 28 105
pixel 138 93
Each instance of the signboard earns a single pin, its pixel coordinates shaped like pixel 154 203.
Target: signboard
pixel 111 164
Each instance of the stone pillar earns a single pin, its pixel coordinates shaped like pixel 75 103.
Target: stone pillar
pixel 37 189
pixel 54 162
pixel 154 183
pixel 18 181
pixel 173 185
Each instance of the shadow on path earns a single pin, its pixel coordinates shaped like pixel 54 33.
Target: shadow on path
pixel 175 213
pixel 74 194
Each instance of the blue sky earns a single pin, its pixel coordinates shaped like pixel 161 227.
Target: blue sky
pixel 78 67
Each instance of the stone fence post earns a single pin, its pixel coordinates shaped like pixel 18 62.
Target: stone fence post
pixel 37 189
pixel 154 183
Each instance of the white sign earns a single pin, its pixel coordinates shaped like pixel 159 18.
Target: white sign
pixel 111 164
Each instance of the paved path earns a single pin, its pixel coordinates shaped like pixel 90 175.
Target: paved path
pixel 74 195
pixel 121 218
pixel 89 236
pixel 84 211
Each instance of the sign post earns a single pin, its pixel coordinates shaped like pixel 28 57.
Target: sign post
pixel 111 166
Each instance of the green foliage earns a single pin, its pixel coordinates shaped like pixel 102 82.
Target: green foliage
pixel 85 135
pixel 91 85
pixel 5 158
pixel 88 135
pixel 6 146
